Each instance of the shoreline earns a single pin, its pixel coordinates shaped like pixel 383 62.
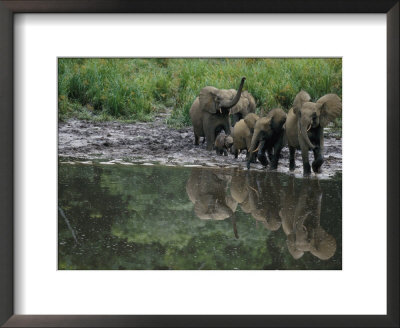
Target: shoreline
pixel 155 143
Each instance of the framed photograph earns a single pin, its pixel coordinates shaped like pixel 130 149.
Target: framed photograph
pixel 176 164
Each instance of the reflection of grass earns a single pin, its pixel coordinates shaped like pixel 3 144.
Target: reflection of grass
pixel 135 89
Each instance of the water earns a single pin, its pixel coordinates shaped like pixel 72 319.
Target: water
pixel 115 217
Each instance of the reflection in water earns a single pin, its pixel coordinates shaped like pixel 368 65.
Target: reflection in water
pixel 207 189
pixel 262 196
pixel 301 222
pixel 141 217
pixel 258 195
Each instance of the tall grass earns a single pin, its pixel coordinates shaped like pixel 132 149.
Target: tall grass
pixel 136 89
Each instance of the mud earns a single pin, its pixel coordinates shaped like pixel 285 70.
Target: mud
pixel 156 143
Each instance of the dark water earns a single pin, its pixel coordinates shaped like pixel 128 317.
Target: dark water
pixel 153 217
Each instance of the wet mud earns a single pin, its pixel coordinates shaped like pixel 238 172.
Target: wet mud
pixel 156 143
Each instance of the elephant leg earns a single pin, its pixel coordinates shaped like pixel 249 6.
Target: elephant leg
pixel 204 140
pixel 210 137
pixel 253 158
pixel 306 162
pixel 277 153
pixel 319 153
pixel 235 152
pixel 318 159
pixel 225 152
pixel 292 163
pixel 196 139
pixel 270 154
pixel 250 158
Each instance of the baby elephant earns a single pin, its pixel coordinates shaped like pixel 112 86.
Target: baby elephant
pixel 223 143
pixel 242 134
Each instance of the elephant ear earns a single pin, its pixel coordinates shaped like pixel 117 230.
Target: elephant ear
pixel 238 188
pixel 323 244
pixel 207 99
pixel 252 103
pixel 245 205
pixel 331 108
pixel 301 98
pixel 291 244
pixel 251 120
pixel 201 211
pixel 272 223
pixel 265 124
pixel 231 203
pixel 241 106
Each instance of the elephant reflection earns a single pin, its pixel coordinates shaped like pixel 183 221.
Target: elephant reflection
pixel 300 216
pixel 207 189
pixel 259 195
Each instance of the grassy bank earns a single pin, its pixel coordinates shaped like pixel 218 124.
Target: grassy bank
pixel 136 89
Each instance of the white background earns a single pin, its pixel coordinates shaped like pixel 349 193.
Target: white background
pixel 360 288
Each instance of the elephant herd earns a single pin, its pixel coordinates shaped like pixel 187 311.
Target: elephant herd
pixel 216 196
pixel 301 128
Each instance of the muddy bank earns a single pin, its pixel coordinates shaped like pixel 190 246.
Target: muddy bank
pixel 155 142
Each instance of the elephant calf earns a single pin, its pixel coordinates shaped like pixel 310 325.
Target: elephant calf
pixel 268 136
pixel 223 143
pixel 242 134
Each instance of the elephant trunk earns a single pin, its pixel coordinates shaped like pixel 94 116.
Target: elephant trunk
pixel 253 149
pixel 254 143
pixel 304 134
pixel 235 100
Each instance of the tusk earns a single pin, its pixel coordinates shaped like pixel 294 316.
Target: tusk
pixel 220 110
pixel 309 127
pixel 252 188
pixel 256 149
pixel 256 191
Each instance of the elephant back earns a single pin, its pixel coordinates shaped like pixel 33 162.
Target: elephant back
pixel 245 105
pixel 251 120
pixel 279 117
pixel 252 102
pixel 240 132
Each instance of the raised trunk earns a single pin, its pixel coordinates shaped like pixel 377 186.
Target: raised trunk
pixel 304 134
pixel 235 100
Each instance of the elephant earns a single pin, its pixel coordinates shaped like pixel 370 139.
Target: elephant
pixel 264 199
pixel 223 143
pixel 242 133
pixel 207 190
pixel 259 195
pixel 269 135
pixel 245 106
pixel 300 215
pixel 240 191
pixel 210 112
pixel 305 127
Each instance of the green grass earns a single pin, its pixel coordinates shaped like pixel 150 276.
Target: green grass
pixel 136 89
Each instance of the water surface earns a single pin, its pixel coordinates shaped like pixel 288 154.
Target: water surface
pixel 157 217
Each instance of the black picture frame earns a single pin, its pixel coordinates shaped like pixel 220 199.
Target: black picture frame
pixel 7 10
